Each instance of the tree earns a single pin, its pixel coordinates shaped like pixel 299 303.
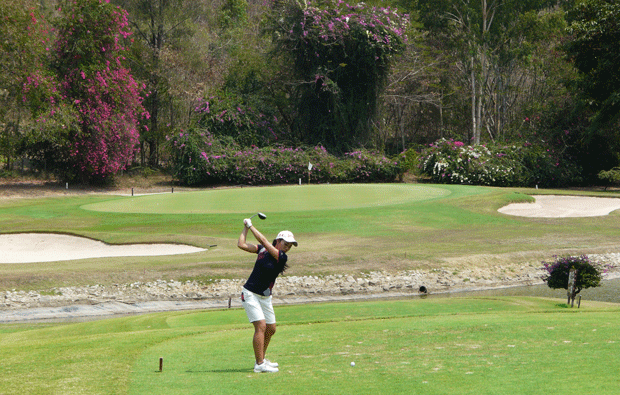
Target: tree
pixel 88 60
pixel 587 274
pixel 488 40
pixel 610 177
pixel 414 100
pixel 23 49
pixel 594 34
pixel 339 56
pixel 163 29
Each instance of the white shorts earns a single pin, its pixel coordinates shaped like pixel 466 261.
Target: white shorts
pixel 258 307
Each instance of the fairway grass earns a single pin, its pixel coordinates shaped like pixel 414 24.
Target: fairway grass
pixel 413 346
pixel 341 229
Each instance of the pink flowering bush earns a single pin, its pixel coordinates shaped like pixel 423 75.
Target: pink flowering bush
pixel 89 57
pixel 199 158
pixel 92 104
pixel 368 166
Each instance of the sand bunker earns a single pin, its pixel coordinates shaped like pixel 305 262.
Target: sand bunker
pixel 552 206
pixel 40 247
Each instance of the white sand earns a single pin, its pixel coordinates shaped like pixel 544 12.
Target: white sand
pixel 41 247
pixel 551 206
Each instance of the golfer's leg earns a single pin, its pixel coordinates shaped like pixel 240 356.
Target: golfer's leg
pixel 259 340
pixel 270 329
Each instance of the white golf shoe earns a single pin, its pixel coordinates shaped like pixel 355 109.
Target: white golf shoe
pixel 264 368
pixel 272 364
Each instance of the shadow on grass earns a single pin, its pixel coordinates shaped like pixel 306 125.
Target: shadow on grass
pixel 221 371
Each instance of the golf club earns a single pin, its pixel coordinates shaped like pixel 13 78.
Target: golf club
pixel 260 215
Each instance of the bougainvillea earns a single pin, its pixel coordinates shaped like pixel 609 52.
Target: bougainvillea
pixel 89 57
pixel 92 85
pixel 227 115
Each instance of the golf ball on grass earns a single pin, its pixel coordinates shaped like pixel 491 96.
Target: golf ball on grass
pixel 352 363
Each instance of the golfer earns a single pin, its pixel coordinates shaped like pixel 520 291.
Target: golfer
pixel 256 293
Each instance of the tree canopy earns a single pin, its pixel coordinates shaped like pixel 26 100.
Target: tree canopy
pixel 594 34
pixel 87 84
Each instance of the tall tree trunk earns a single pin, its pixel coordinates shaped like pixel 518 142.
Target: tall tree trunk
pixel 474 99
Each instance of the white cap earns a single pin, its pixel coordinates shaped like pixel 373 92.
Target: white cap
pixel 287 236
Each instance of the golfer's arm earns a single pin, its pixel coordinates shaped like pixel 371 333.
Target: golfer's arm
pixel 263 240
pixel 243 244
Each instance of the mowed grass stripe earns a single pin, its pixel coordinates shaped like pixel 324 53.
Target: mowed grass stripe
pixel 273 199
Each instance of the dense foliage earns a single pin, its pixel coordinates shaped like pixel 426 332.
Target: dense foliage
pixel 227 116
pixel 453 162
pixel 24 42
pixel 529 87
pixel 341 55
pixel 593 47
pixel 202 159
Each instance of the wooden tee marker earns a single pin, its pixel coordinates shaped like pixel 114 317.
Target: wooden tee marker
pixel 161 364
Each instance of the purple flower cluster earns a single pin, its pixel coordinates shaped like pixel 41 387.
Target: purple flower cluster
pixel 335 24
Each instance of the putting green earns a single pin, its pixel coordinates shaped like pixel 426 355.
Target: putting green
pixel 272 199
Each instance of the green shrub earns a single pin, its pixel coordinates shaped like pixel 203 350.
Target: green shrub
pixel 541 166
pixel 410 161
pixel 610 177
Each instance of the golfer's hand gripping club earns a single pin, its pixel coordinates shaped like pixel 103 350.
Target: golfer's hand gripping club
pixel 247 222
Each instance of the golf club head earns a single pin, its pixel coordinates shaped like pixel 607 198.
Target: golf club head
pixel 260 215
